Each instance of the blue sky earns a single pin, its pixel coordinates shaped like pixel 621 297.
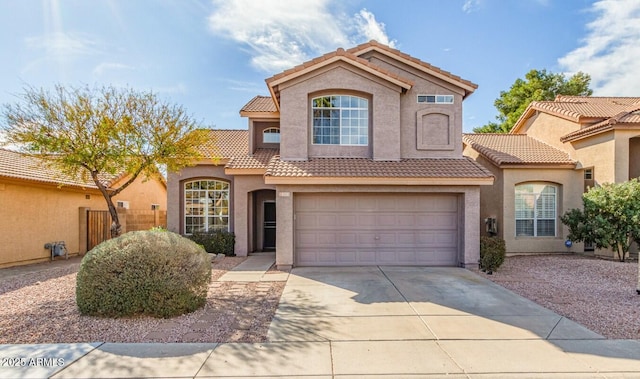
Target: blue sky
pixel 212 56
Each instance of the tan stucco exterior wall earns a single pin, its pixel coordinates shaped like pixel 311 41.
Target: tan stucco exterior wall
pixel 599 153
pixel 491 197
pixel 244 213
pixel 549 129
pixel 142 193
pixel 570 184
pixel 415 135
pixel 469 230
pixel 32 214
pixel 295 118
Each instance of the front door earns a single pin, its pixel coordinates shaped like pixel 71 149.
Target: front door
pixel 269 233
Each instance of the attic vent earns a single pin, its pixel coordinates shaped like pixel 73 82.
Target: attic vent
pixel 435 99
pixel 122 204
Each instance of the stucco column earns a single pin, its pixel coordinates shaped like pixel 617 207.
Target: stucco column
pixel 83 214
pixel 284 234
pixel 240 223
pixel 471 231
pixel 173 202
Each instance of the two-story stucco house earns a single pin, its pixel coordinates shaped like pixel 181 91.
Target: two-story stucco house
pixel 354 159
pixel 554 153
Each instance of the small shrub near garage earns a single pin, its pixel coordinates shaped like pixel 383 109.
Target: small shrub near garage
pixel 215 241
pixel 492 253
pixel 155 273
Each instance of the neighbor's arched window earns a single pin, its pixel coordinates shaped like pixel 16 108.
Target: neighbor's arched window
pixel 271 135
pixel 340 120
pixel 206 205
pixel 536 209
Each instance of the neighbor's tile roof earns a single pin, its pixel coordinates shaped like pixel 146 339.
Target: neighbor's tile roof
pixel 258 160
pixel 577 107
pixel 260 104
pixel 516 149
pixel 374 44
pixel 225 143
pixel 632 116
pixel 20 166
pixel 367 168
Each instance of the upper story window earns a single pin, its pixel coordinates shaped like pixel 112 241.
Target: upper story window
pixel 206 206
pixel 588 174
pixel 435 99
pixel 340 120
pixel 271 135
pixel 536 205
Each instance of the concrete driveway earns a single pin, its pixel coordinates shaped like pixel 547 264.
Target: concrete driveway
pixel 407 321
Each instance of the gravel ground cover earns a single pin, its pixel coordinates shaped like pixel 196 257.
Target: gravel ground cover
pixel 40 307
pixel 597 293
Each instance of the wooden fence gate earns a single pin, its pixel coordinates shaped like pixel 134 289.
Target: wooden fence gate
pixel 98 228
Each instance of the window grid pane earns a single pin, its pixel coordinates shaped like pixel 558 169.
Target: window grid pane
pixel 535 210
pixel 340 120
pixel 206 206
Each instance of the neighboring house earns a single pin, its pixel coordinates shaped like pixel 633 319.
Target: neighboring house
pixel 40 205
pixel 555 152
pixel 354 159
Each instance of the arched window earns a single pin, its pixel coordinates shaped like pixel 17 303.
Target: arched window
pixel 536 209
pixel 206 205
pixel 340 120
pixel 271 135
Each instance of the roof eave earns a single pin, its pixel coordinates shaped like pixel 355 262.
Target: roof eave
pixel 333 180
pixel 265 114
pixel 245 171
pixel 535 165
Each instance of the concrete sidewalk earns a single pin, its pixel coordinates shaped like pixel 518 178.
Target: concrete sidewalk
pixel 366 322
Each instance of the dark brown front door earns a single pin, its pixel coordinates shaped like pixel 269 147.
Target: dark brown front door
pixel 269 234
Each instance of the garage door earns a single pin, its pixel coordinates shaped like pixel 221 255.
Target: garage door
pixel 376 229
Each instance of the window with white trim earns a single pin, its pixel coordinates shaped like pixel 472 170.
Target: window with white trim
pixel 340 120
pixel 206 206
pixel 271 135
pixel 536 209
pixel 435 99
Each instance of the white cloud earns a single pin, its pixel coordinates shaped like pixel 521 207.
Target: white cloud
pixel 178 88
pixel 279 34
pixel 470 6
pixel 244 86
pixel 367 26
pixel 110 66
pixel 611 50
pixel 63 45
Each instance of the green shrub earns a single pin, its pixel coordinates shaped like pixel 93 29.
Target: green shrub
pixel 215 241
pixel 154 273
pixel 492 253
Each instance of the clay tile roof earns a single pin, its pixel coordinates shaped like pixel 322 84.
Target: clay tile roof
pixel 20 166
pixel 375 44
pixel 576 107
pixel 260 104
pixel 367 168
pixel 225 143
pixel 345 55
pixel 258 160
pixel 516 149
pixel 632 116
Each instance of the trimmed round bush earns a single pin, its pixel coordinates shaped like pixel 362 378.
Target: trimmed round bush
pixel 155 273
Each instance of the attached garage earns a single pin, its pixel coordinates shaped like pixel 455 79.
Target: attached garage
pixel 342 229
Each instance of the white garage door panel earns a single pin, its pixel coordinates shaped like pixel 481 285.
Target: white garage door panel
pixel 376 229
